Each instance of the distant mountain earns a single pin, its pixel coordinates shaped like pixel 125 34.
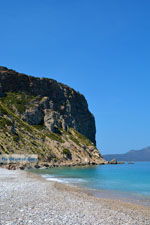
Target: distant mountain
pixel 133 155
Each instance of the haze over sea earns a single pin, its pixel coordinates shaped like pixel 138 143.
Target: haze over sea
pixel 127 181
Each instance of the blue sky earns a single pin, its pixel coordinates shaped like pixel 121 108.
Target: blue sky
pixel 100 48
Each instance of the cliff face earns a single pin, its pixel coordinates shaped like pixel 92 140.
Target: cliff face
pixel 39 115
pixel 59 106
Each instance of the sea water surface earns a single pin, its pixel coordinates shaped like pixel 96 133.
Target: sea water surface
pixel 128 181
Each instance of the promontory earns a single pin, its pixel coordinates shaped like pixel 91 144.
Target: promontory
pixel 42 116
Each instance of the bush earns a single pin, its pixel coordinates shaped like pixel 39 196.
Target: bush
pixel 4 122
pixel 17 100
pixel 67 153
pixel 82 138
pixel 54 137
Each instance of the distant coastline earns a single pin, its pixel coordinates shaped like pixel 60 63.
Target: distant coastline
pixel 133 155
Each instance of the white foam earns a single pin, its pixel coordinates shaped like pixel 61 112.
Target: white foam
pixel 62 180
pixel 57 180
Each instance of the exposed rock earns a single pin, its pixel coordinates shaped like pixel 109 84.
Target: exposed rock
pixel 58 102
pixel 37 166
pixel 120 162
pixel 113 161
pixel 47 118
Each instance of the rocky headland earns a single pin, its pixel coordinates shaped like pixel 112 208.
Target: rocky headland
pixel 42 116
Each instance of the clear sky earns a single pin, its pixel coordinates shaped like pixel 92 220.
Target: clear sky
pixel 101 48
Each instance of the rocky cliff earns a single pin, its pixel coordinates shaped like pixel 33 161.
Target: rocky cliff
pixel 40 115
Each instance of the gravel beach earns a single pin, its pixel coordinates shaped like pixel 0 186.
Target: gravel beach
pixel 26 198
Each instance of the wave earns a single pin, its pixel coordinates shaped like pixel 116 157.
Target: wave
pixel 63 180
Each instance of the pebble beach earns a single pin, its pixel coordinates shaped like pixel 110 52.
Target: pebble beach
pixel 27 198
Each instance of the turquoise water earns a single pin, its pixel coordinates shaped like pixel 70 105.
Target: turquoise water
pixel 122 179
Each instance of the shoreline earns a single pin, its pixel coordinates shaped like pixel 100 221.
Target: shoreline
pixel 102 194
pixel 128 197
pixel 45 165
pixel 125 196
pixel 115 203
pixel 27 198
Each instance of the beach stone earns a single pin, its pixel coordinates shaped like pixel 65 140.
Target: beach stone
pixel 26 199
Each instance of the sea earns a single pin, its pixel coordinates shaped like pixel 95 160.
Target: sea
pixel 128 182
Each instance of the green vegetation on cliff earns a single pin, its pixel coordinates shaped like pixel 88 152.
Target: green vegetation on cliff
pixel 40 116
pixel 17 101
pixel 17 136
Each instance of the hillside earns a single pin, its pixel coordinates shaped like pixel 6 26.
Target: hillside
pixel 44 117
pixel 133 155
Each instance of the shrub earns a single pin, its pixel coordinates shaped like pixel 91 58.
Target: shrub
pixel 54 137
pixel 4 122
pixel 82 138
pixel 17 100
pixel 67 153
